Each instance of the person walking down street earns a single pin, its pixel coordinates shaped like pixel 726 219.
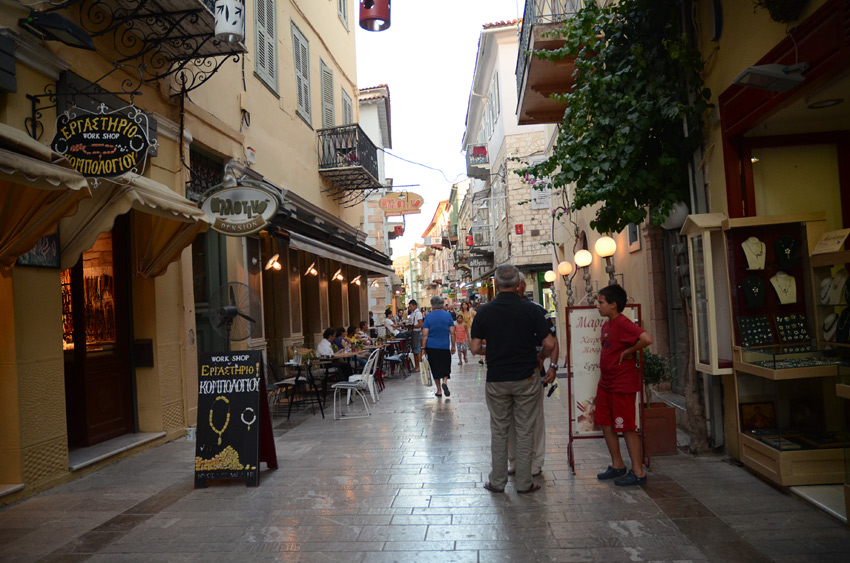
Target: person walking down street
pixel 618 386
pixel 438 340
pixel 511 328
pixel 415 320
pixel 461 339
pixel 539 448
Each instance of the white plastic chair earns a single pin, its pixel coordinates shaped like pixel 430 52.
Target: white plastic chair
pixel 356 386
pixel 368 374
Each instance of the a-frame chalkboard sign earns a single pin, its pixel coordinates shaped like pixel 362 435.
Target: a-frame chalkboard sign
pixel 234 432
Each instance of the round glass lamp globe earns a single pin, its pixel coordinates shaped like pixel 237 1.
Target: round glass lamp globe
pixel 550 276
pixel 565 268
pixel 583 258
pixel 605 247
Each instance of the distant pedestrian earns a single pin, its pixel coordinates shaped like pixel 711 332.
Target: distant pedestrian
pixel 461 339
pixel 373 332
pixel 511 328
pixel 415 319
pixel 618 386
pixel 438 340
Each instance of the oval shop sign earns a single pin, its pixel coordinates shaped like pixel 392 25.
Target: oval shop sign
pixel 240 211
pixel 401 203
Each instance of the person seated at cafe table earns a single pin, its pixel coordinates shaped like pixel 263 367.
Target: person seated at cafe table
pixel 339 340
pixel 325 350
pixel 361 333
pixel 351 339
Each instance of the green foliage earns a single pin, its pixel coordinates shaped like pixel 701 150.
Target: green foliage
pixel 657 369
pixel 634 115
pixel 782 11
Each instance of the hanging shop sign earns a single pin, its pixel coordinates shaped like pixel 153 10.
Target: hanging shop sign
pixel 401 203
pixel 234 428
pixel 242 210
pixel 103 144
pixel 480 262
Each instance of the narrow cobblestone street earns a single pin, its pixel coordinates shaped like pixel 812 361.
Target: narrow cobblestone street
pixel 406 485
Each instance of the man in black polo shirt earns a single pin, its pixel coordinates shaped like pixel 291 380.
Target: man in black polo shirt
pixel 510 329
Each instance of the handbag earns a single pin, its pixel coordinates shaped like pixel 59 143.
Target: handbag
pixel 425 371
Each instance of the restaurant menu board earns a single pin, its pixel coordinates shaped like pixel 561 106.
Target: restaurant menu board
pixel 584 334
pixel 229 416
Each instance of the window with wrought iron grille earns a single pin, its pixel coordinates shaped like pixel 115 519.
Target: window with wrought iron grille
pixel 206 171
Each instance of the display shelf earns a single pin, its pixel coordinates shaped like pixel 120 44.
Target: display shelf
pixel 842 390
pixel 788 468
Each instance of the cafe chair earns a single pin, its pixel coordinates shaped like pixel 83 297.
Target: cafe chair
pixel 368 372
pixel 358 387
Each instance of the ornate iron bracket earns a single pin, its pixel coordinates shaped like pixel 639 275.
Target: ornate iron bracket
pixel 33 125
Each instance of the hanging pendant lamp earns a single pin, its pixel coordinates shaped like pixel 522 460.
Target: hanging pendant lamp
pixel 374 15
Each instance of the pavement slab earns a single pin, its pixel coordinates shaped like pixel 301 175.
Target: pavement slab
pixel 406 485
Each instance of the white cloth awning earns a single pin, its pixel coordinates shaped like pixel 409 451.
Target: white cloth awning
pixel 37 189
pixel 326 250
pixel 164 223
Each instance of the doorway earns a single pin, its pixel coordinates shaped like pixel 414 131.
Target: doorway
pixel 96 334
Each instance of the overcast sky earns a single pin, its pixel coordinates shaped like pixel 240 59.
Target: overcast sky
pixel 427 58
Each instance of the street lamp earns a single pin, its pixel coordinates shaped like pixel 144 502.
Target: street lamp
pixel 565 269
pixel 583 259
pixel 550 276
pixel 606 247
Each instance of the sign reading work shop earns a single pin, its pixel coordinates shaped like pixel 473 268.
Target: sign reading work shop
pixel 104 144
pixel 242 210
pixel 234 427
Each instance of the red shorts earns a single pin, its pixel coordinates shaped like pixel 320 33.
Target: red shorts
pixel 615 409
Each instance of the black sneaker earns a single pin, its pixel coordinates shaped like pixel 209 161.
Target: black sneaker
pixel 630 480
pixel 611 473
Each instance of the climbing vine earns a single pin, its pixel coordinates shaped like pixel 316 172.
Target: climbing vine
pixel 634 115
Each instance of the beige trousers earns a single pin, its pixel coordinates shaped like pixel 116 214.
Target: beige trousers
pixel 512 403
pixel 538 450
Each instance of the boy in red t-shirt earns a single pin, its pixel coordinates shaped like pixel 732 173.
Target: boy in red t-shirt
pixel 618 386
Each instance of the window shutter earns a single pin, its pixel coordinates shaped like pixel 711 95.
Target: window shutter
pixel 266 63
pixel 347 109
pixel 327 96
pixel 301 54
pixel 342 10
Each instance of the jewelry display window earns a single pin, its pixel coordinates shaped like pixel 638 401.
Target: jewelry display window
pixel 793 415
pixel 832 295
pixel 769 283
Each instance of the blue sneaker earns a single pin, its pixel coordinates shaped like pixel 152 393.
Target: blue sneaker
pixel 630 480
pixel 611 473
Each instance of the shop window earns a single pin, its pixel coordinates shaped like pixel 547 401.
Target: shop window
pixel 98 298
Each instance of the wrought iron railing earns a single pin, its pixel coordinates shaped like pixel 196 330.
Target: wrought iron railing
pixel 541 12
pixel 347 146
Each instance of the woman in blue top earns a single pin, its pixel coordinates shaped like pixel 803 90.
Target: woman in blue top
pixel 438 341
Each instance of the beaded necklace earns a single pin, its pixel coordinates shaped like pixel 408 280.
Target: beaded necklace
pixel 226 421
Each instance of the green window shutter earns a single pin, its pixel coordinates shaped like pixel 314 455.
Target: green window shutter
pixel 266 63
pixel 347 109
pixel 342 10
pixel 301 54
pixel 327 96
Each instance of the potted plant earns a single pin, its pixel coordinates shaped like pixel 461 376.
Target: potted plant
pixel 782 11
pixel 659 418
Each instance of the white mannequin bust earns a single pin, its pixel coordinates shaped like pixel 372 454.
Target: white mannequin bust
pixel 754 250
pixel 785 286
pixel 830 325
pixel 835 294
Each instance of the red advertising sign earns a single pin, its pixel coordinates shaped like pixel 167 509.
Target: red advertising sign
pixel 470 241
pixel 401 203
pixel 518 228
pixel 399 230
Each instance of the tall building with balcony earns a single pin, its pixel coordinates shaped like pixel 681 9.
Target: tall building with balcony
pixel 130 273
pixel 509 221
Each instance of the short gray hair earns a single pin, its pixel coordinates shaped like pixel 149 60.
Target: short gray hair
pixel 507 276
pixel 436 302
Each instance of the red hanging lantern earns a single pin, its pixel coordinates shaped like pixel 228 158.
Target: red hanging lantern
pixel 374 15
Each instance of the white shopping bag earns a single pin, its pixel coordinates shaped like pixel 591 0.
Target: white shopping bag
pixel 425 371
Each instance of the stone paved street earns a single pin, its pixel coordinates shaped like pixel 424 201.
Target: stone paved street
pixel 406 485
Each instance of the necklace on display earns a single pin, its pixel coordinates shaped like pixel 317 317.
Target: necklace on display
pixel 754 253
pixel 226 420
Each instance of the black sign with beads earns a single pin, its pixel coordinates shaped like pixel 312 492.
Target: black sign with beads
pixel 230 385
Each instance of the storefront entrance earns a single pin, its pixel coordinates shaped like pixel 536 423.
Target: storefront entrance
pixel 96 336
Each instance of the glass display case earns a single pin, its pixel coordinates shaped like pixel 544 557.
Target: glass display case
pixel 792 427
pixel 706 253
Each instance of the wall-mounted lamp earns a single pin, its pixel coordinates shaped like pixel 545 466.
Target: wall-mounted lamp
pixel 311 270
pixel 273 263
pixel 605 247
pixel 229 21
pixel 50 26
pixel 565 269
pixel 773 77
pixel 355 281
pixel 583 259
pixel 374 283
pixel 338 275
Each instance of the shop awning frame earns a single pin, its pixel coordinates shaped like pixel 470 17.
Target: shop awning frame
pixel 318 248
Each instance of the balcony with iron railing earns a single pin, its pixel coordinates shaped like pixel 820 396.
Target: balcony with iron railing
pixel 477 162
pixel 349 160
pixel 537 79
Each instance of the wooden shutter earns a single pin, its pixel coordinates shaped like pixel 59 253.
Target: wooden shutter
pixel 347 109
pixel 301 54
pixel 266 63
pixel 327 96
pixel 342 10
